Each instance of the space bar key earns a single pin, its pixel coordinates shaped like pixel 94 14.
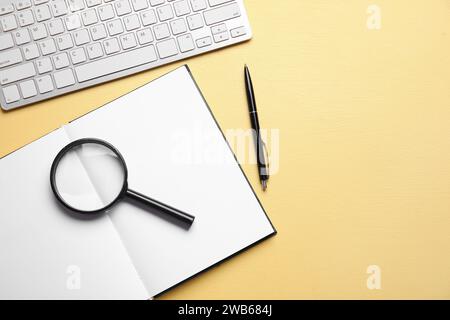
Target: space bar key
pixel 116 63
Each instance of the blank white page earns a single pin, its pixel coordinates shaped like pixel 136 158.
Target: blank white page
pixel 172 144
pixel 46 253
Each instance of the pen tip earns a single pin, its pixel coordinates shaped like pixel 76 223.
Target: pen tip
pixel 264 185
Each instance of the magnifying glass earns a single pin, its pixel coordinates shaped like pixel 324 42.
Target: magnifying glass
pixel 89 176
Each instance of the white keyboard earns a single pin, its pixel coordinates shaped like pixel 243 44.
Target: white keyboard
pixel 52 47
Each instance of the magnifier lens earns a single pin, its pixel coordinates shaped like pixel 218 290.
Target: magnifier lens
pixel 90 177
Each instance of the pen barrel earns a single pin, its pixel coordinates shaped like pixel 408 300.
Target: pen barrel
pixel 250 93
pixel 261 155
pixel 260 151
pixel 171 211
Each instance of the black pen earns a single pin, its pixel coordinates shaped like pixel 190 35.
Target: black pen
pixel 263 168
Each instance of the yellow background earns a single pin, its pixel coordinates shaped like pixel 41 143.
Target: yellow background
pixel 364 120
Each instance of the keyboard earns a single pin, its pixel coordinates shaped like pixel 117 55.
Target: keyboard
pixel 52 47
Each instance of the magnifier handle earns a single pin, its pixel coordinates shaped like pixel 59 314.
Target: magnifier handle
pixel 180 215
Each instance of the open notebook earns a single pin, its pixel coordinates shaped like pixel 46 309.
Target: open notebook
pixel 175 153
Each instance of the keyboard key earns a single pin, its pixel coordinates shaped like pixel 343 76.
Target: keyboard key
pixel 23 4
pixel 139 4
pixel 144 36
pixel 219 28
pixel 22 36
pixel 156 2
pixel 45 84
pixel 186 43
pixel 167 48
pixel 73 21
pixel 25 18
pixel 98 32
pixel 237 32
pixel 165 12
pixel 111 46
pixel 89 17
pixel 128 41
pixel 214 3
pixel 220 14
pixel 195 21
pixel 148 17
pixel 221 37
pixel 116 63
pixel 92 3
pixel 122 7
pixel 55 27
pixel 44 65
pixel 181 8
pixel 131 22
pixel 204 42
pixel 106 12
pixel 38 31
pixel 47 47
pixel 94 50
pixel 78 56
pixel 10 57
pixel 8 23
pixel 76 5
pixel 28 89
pixel 31 51
pixel 64 41
pixel 161 31
pixel 198 5
pixel 59 8
pixel 64 78
pixel 42 13
pixel 17 73
pixel 81 37
pixel 115 27
pixel 11 94
pixel 6 8
pixel 6 41
pixel 178 26
pixel 61 60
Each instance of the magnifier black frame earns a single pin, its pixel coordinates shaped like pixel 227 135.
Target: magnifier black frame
pixel 125 192
pixel 71 146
